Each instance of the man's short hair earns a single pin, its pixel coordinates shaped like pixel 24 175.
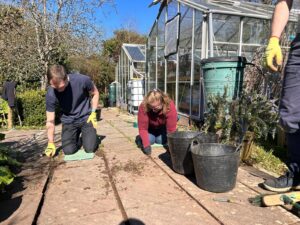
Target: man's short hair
pixel 56 72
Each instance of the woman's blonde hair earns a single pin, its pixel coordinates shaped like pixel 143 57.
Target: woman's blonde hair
pixel 157 95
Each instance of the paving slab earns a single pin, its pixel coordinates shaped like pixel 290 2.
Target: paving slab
pixel 137 177
pixel 176 212
pixel 238 211
pixel 80 189
pixel 20 203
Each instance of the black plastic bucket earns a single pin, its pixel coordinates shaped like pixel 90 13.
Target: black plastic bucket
pixel 179 146
pixel 215 165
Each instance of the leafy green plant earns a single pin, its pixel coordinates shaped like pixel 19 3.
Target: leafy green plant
pixel 6 164
pixel 3 112
pixel 232 119
pixel 32 106
pixel 6 176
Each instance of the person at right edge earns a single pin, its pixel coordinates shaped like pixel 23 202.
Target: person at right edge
pixel 289 107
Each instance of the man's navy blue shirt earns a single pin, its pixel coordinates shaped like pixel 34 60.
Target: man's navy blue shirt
pixel 74 100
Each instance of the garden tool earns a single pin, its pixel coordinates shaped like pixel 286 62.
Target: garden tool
pixel 229 200
pixel 289 198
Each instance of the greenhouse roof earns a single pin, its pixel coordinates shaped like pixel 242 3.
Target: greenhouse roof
pixel 241 8
pixel 135 52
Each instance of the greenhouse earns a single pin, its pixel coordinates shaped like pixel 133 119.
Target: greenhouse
pixel 187 31
pixel 131 66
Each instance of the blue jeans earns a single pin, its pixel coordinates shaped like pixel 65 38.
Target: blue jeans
pixel 158 136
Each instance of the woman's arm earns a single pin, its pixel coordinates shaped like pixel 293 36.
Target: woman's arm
pixel 143 124
pixel 171 120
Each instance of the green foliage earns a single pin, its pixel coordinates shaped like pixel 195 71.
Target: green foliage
pixel 6 164
pixel 3 112
pixel 5 159
pixel 32 108
pixel 112 47
pixel 232 119
pixel 3 106
pixel 18 51
pixel 100 70
pixel 6 176
pixel 265 157
pixel 10 18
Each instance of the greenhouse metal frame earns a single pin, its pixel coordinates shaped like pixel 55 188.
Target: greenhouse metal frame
pixel 206 28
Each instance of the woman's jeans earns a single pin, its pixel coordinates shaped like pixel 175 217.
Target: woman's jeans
pixel 158 136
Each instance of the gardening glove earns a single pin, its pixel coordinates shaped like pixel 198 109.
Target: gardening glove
pixel 50 150
pixel 93 118
pixel 147 150
pixel 273 50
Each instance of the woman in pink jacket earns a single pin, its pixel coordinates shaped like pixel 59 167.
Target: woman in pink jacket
pixel 157 117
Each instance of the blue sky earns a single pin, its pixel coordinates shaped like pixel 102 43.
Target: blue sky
pixel 128 14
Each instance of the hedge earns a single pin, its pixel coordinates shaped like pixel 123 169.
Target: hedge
pixel 32 108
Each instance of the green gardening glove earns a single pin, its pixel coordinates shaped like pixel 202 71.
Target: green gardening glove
pixel 93 118
pixel 50 150
pixel 273 51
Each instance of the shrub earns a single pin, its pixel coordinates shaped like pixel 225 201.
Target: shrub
pixel 32 108
pixel 232 119
pixel 3 112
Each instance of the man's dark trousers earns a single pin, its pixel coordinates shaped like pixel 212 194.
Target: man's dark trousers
pixel 290 105
pixel 71 137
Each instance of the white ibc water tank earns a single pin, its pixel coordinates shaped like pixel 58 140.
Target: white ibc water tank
pixel 135 94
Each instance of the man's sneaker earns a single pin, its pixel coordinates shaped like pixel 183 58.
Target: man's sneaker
pixel 283 183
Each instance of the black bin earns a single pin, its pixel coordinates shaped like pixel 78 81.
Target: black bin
pixel 179 146
pixel 215 165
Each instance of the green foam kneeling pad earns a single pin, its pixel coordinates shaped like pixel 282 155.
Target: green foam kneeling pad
pixel 155 145
pixel 79 155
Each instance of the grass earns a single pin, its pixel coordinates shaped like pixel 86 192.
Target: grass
pixel 268 157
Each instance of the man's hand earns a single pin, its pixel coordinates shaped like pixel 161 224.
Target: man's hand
pixel 273 50
pixel 93 118
pixel 50 150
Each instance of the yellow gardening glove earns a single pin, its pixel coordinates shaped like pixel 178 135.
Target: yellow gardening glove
pixel 93 118
pixel 273 50
pixel 50 150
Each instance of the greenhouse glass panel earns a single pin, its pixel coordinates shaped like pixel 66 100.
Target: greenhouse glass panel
pixel 252 52
pixel 172 9
pixel 255 31
pixel 195 98
pixel 226 49
pixel 226 28
pixel 185 56
pixel 171 77
pixel 172 35
pixel 160 51
pixel 152 57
